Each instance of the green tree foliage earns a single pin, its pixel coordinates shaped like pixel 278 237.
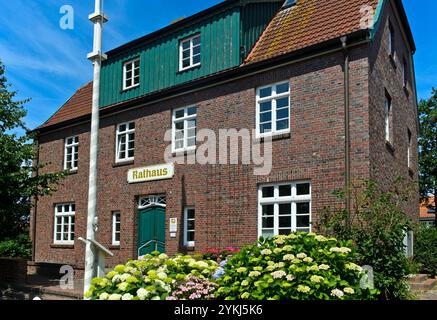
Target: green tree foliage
pixel 377 226
pixel 18 181
pixel 428 145
pixel 425 250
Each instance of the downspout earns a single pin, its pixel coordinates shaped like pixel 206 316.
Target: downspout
pixel 35 208
pixel 346 127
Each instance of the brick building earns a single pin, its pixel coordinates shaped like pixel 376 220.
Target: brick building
pixel 332 82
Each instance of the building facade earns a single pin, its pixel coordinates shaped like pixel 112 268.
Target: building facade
pixel 311 76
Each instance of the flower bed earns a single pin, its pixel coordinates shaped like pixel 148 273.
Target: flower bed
pixel 300 266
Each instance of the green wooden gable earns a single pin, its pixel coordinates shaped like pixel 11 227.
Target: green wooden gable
pixel 227 36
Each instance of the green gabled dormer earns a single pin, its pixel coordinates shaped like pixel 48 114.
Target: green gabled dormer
pixel 208 42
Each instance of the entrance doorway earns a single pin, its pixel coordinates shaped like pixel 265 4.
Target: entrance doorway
pixel 151 225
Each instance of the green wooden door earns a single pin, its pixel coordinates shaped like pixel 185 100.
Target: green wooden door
pixel 151 230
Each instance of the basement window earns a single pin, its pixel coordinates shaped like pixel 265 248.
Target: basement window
pixel 131 74
pixel 190 53
pixel 64 224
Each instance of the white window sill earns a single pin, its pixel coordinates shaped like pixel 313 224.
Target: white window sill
pixel 132 87
pixel 124 161
pixel 190 67
pixel 184 151
pixel 273 135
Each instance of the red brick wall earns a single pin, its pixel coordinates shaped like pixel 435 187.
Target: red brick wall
pixel 225 196
pixel 386 74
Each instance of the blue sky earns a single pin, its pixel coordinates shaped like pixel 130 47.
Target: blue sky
pixel 47 63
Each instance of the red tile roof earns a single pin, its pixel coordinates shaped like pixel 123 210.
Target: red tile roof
pixel 78 105
pixel 307 23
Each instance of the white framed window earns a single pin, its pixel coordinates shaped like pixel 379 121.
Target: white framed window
pixel 125 144
pixel 409 148
pixel 184 129
pixel 189 52
pixel 388 118
pixel 131 74
pixel 116 230
pixel 284 208
pixel 189 226
pixel 273 109
pixel 71 153
pixel 64 224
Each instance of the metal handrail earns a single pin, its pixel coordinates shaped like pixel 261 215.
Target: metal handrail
pixel 149 242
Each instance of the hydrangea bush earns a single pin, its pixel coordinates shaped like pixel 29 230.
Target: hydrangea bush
pixel 154 277
pixel 194 288
pixel 302 266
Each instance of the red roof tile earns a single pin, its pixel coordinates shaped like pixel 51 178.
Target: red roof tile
pixel 78 105
pixel 307 23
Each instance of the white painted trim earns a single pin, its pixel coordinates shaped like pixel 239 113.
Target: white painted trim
pixel 192 64
pixel 186 242
pixel 273 99
pixel 276 200
pixel 114 224
pixel 133 73
pixel 118 136
pixel 185 119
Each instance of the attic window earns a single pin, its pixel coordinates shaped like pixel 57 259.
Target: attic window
pixel 131 74
pixel 189 52
pixel 288 4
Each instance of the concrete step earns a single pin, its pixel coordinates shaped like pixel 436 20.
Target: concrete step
pixel 425 285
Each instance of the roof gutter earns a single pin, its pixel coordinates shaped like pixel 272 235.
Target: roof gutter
pixel 328 47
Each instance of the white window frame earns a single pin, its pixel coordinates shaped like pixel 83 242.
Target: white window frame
pixel 119 135
pixel 116 214
pixel 387 113
pixel 185 120
pixel 181 50
pixel 132 84
pixel 276 200
pixel 74 146
pixel 186 231
pixel 273 98
pixel 64 215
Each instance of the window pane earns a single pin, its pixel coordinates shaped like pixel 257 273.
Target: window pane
pixel 268 222
pixel 179 125
pixel 179 113
pixel 303 189
pixel 268 233
pixel 190 214
pixel 266 128
pixel 265 106
pixel 122 128
pixel 266 92
pixel 303 208
pixel 282 125
pixel 282 103
pixel 282 114
pixel 130 153
pixel 285 191
pixel 267 210
pixel 191 142
pixel 191 133
pixel 186 54
pixel 284 232
pixel 191 123
pixel 190 225
pixel 282 88
pixel 196 50
pixel 190 236
pixel 265 117
pixel 179 144
pixel 285 209
pixel 185 45
pixel 196 41
pixel 285 222
pixel 186 63
pixel 303 221
pixel 268 192
pixel 73 207
pixel 196 59
pixel 67 208
pixel 191 111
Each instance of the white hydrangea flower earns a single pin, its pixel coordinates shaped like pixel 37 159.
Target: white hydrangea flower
pixel 104 296
pixel 288 257
pixel 308 259
pixel 162 275
pixel 287 248
pixel 114 297
pixel 324 267
pixel 254 274
pixel 278 274
pixel 266 252
pixel 321 238
pixel 337 293
pixel 303 289
pixel 349 290
pixel 301 255
pixel 290 277
pixel 244 283
pixel 123 286
pixel 316 279
pixel 142 293
pixel 156 298
pixel 353 266
pixel 127 296
pixel 345 250
pixel 313 268
pixel 277 250
pixel 241 269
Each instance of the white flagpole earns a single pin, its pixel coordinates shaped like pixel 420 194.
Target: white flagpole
pixel 98 19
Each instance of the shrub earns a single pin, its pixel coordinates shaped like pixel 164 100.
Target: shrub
pixel 377 226
pixel 19 247
pixel 299 266
pixel 425 250
pixel 218 254
pixel 154 277
pixel 194 288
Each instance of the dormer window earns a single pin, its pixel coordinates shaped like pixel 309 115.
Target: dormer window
pixel 189 52
pixel 131 74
